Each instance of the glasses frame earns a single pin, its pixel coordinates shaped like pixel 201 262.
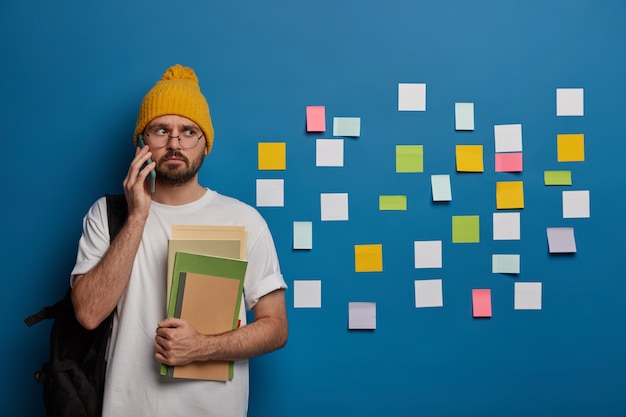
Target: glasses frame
pixel 147 135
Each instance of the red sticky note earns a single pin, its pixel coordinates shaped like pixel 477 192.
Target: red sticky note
pixel 481 302
pixel 315 118
pixel 509 162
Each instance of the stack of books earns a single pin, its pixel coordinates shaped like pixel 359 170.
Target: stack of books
pixel 205 275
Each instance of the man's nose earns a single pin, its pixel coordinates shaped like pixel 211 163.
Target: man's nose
pixel 175 144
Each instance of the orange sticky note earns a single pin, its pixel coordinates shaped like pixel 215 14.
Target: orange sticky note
pixel 469 158
pixel 509 162
pixel 272 156
pixel 509 195
pixel 368 258
pixel 481 303
pixel 315 118
pixel 570 148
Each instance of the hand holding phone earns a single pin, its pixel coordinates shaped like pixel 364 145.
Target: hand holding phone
pixel 152 176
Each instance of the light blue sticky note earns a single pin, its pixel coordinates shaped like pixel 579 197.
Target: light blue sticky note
pixel 347 126
pixel 505 264
pixel 302 235
pixel 441 187
pixel 464 116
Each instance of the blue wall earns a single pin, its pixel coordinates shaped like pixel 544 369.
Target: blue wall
pixel 71 79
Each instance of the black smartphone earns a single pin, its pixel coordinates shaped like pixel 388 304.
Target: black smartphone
pixel 152 176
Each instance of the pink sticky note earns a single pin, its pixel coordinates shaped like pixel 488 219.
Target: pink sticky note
pixel 509 162
pixel 315 118
pixel 481 302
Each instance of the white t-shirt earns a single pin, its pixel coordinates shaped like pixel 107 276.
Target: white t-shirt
pixel 134 386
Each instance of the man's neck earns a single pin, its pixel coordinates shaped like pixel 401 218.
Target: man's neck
pixel 177 195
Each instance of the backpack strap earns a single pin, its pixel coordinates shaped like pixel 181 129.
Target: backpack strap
pixel 47 312
pixel 117 211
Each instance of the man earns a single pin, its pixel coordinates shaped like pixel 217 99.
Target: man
pixel 130 273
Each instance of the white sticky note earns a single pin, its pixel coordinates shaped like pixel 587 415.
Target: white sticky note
pixel 334 206
pixel 329 152
pixel 464 116
pixel 441 187
pixel 270 193
pixel 307 294
pixel 576 204
pixel 570 102
pixel 508 138
pixel 428 254
pixel 302 235
pixel 347 126
pixel 506 226
pixel 428 293
pixel 505 264
pixel 361 316
pixel 561 240
pixel 527 296
pixel 411 97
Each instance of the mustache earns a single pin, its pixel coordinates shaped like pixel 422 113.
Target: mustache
pixel 174 154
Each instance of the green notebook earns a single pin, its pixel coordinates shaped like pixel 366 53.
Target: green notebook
pixel 209 270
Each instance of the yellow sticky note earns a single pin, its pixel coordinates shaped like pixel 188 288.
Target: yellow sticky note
pixel 272 156
pixel 509 194
pixel 409 158
pixel 368 258
pixel 469 158
pixel 570 148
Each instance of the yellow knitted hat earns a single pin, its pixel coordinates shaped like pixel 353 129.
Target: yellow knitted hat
pixel 178 92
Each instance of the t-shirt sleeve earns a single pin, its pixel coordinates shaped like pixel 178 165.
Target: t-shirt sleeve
pixel 94 240
pixel 263 275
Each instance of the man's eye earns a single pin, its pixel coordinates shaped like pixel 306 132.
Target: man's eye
pixel 159 131
pixel 190 133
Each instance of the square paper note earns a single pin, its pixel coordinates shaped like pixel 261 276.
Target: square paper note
pixel 570 102
pixel 329 152
pixel 527 296
pixel 307 293
pixel 428 293
pixel 334 206
pixel 368 258
pixel 576 204
pixel 411 97
pixel 361 316
pixel 270 193
pixel 427 254
pixel 469 158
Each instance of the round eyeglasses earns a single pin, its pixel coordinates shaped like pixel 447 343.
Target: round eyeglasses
pixel 159 136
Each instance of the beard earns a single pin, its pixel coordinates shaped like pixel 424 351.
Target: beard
pixel 175 174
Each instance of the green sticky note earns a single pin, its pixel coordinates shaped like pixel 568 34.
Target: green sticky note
pixel 409 158
pixel 505 264
pixel 392 202
pixel 557 177
pixel 465 229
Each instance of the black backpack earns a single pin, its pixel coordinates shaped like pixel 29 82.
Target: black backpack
pixel 73 378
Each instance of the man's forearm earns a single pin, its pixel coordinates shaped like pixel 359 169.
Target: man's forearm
pixel 96 293
pixel 259 337
pixel 177 343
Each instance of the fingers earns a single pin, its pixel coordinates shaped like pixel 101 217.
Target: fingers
pixel 136 176
pixel 135 184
